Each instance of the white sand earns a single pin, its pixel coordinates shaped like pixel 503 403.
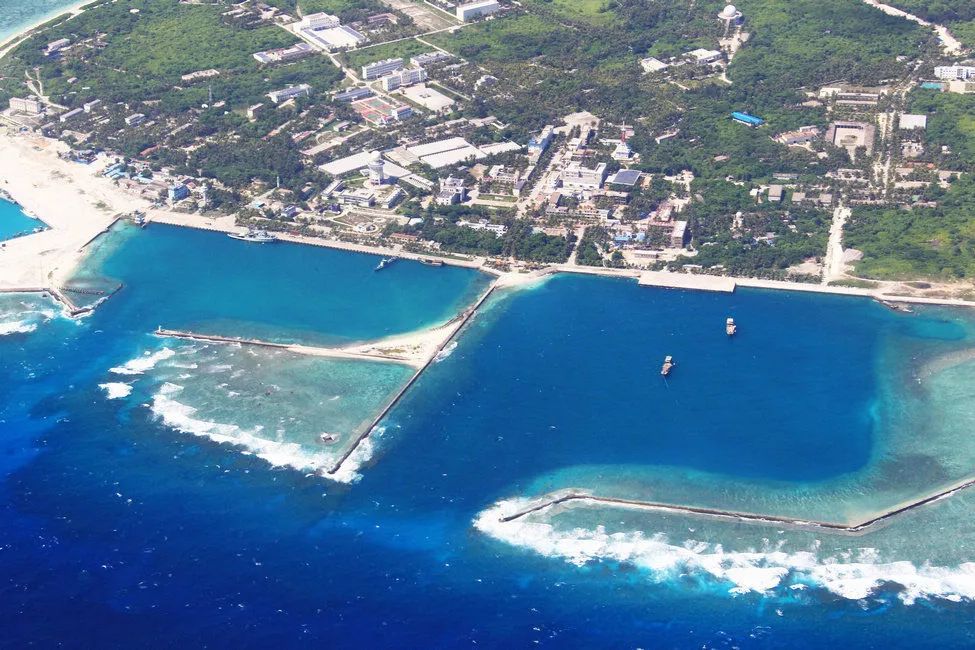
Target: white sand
pixel 68 197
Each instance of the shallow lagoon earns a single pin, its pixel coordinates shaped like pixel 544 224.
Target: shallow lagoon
pixel 14 223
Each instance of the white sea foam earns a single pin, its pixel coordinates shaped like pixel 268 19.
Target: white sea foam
pixel 116 390
pixel 446 352
pixel 181 417
pixel 17 327
pixel 854 575
pixel 141 364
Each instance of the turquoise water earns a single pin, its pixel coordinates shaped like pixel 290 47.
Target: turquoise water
pixel 279 292
pixel 184 509
pixel 14 223
pixel 16 15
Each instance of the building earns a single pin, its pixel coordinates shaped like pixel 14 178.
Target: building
pixel 482 224
pixel 177 192
pixel 622 152
pixel 253 111
pixel 90 106
pixel 775 193
pixel 955 72
pixel 652 64
pixel 746 119
pixel 406 77
pixel 625 178
pixel 802 135
pixel 283 95
pixel 381 68
pixel 852 95
pixel 539 143
pixel 28 105
pixel 319 20
pixel 851 135
pixel 376 167
pixel 353 95
pixel 473 10
pixel 64 117
pixel 910 122
pixel 577 177
pixel 678 236
pixel 200 74
pixel 730 16
pixel 135 119
pixel 429 58
pixel 293 53
pixel 333 39
pixel 701 56
pixel 361 197
pixel 429 98
pixel 452 191
pixel 963 87
pixel 56 46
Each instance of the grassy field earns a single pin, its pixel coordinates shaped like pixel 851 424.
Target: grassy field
pixel 404 49
pixel 507 39
pixel 595 12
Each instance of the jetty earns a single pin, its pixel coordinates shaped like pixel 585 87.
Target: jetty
pixel 461 322
pixel 855 528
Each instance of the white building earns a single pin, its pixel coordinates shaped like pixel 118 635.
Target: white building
pixel 701 56
pixel 539 143
pixel 135 119
pixel 28 105
pixel 406 77
pixel 296 51
pixel 56 46
pixel 653 64
pixel 320 20
pixel 498 229
pixel 909 122
pixel 376 167
pixel 955 72
pixel 577 177
pixel 452 191
pixel 428 98
pixel 472 10
pixel 283 95
pixel 381 68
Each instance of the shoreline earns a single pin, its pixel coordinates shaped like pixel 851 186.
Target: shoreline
pixel 22 32
pixel 78 205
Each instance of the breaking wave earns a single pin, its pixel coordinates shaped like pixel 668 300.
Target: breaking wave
pixel 853 574
pixel 181 417
pixel 141 364
pixel 116 390
pixel 17 327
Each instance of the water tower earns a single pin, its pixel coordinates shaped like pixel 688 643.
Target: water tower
pixel 377 175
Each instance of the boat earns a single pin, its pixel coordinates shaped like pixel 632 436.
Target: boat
pixel 328 438
pixel 386 261
pixel 730 328
pixel 429 262
pixel 255 236
pixel 668 365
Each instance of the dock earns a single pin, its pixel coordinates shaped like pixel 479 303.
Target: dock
pixel 716 283
pixel 391 404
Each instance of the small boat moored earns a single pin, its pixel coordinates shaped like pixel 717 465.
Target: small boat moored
pixel 668 365
pixel 255 236
pixel 328 438
pixel 429 262
pixel 730 328
pixel 386 261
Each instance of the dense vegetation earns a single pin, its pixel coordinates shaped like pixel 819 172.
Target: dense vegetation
pixel 921 242
pixel 957 15
pixel 951 124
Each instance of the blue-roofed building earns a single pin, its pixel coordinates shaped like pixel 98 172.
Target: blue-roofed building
pixel 745 118
pixel 178 192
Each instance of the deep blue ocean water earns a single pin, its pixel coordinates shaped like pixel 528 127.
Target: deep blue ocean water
pixel 14 223
pixel 118 531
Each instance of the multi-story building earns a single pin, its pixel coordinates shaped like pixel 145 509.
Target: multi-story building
pixel 429 58
pixel 177 192
pixel 472 10
pixel 539 143
pixel 320 20
pixel 955 72
pixel 577 177
pixel 406 77
pixel 353 94
pixel 283 95
pixel 381 68
pixel 28 105
pixel 452 191
pixel 135 119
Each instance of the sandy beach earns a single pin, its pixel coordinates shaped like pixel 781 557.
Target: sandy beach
pixel 68 197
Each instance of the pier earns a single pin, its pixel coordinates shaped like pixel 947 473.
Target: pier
pixel 461 323
pixel 856 528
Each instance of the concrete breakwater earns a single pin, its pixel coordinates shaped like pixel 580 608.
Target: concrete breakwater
pixel 461 321
pixel 856 528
